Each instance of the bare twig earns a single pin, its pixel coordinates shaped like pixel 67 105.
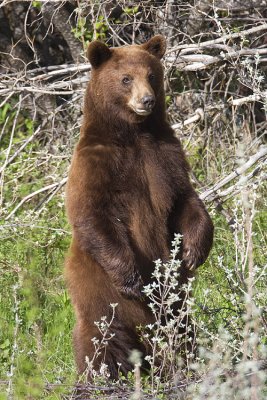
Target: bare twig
pixel 30 139
pixel 31 195
pixel 9 149
pixel 210 194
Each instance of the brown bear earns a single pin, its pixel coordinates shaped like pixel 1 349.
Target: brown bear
pixel 128 193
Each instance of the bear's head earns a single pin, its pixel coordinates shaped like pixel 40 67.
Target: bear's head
pixel 127 82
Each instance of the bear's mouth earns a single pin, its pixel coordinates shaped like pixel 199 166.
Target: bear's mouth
pixel 141 111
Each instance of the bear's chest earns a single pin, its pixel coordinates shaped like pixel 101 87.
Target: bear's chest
pixel 148 178
pixel 145 192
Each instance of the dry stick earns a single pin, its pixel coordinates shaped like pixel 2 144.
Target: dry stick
pixel 58 69
pixel 45 121
pixel 220 39
pixel 209 194
pixel 253 97
pixel 49 89
pixel 36 90
pixel 234 189
pixel 66 70
pixel 21 148
pixel 4 127
pixel 228 51
pixel 202 61
pixel 8 150
pixel 6 99
pixel 199 114
pixel 48 187
pixel 51 195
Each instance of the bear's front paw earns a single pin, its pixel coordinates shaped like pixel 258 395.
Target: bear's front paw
pixel 192 258
pixel 132 286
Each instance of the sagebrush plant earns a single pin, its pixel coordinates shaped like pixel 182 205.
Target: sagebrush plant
pixel 171 336
pixel 105 330
pixel 230 361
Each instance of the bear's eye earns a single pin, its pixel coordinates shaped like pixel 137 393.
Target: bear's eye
pixel 151 77
pixel 126 80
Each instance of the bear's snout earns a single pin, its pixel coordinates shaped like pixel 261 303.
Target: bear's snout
pixel 148 102
pixel 143 105
pixel 142 99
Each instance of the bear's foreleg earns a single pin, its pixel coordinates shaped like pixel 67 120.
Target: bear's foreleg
pixel 107 242
pixel 194 223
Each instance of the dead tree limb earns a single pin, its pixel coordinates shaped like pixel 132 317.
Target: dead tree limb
pixel 212 193
pixel 221 39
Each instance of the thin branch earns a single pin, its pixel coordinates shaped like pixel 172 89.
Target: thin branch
pixel 31 195
pixel 199 114
pixel 21 148
pixel 201 61
pixel 221 39
pixel 241 184
pixel 248 99
pixel 9 149
pixel 210 194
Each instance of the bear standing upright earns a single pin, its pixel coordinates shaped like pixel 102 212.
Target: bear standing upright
pixel 128 192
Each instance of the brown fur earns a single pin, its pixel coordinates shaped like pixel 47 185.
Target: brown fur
pixel 128 192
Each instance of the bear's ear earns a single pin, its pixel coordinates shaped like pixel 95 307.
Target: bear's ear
pixel 97 53
pixel 156 46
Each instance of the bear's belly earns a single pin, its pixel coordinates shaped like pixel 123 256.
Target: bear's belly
pixel 149 229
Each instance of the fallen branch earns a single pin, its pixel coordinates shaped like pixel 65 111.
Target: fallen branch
pixel 199 114
pixel 221 39
pixel 241 184
pixel 211 194
pixel 195 62
pixel 248 99
pixel 63 70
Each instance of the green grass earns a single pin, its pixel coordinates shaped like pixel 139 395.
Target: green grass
pixel 35 310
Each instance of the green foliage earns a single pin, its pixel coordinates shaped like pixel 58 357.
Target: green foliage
pixel 41 320
pixel 37 4
pixel 131 10
pixel 81 31
pixel 86 33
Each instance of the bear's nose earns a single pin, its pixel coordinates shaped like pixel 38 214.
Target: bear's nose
pixel 148 102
